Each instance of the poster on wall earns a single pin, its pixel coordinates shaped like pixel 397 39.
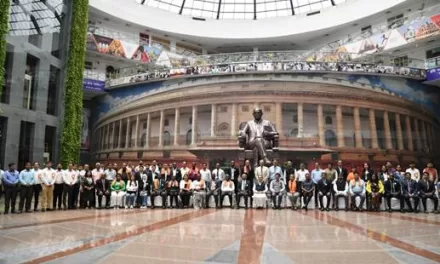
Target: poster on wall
pixel 419 29
pixel 85 131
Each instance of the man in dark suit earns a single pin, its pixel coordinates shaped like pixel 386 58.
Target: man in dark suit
pixel 393 190
pixel 324 189
pixel 103 189
pixel 244 190
pixel 341 170
pixel 234 172
pixel 410 190
pixel 176 172
pixel 213 189
pixel 427 191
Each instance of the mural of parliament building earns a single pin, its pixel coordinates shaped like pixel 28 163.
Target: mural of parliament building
pixel 317 121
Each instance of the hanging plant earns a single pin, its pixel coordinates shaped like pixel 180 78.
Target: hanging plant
pixel 73 99
pixel 4 28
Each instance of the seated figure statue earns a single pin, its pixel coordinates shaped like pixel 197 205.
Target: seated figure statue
pixel 259 136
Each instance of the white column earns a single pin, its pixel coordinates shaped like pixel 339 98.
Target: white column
pixel 386 125
pixel 300 113
pixel 400 145
pixel 161 122
pixel 213 120
pixel 147 136
pixel 409 133
pixel 120 135
pixel 136 136
pixel 234 120
pixel 373 129
pixel 339 127
pixel 357 127
pixel 176 126
pixel 127 135
pixel 113 135
pixel 194 125
pixel 321 132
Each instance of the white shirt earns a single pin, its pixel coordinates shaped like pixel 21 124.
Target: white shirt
pixel 156 170
pixel 300 175
pixel 205 175
pixel 196 185
pixel 96 174
pixel 415 174
pixel 184 171
pixel 59 176
pixel 38 176
pixel 132 186
pixel 70 177
pixel 219 174
pixel 110 175
pixel 182 185
pixel 48 176
pixel 228 186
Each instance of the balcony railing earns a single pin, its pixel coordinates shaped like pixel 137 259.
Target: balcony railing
pixel 287 61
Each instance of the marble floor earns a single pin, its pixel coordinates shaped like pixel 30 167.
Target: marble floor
pixel 219 236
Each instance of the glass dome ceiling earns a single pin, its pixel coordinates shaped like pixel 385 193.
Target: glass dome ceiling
pixel 240 9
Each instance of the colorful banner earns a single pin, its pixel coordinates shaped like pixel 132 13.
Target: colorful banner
pixel 433 74
pixel 93 85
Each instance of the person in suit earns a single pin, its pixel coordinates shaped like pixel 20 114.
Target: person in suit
pixel 340 189
pixel 173 192
pixel 263 171
pixel 244 188
pixel 393 189
pixel 308 189
pixel 234 171
pixel 249 171
pixel 159 189
pixel 288 171
pixel 357 189
pixel 277 189
pixel 259 192
pixel 144 188
pixel 367 173
pixel 185 191
pixel 213 189
pixel 341 170
pixel 175 171
pixel 410 189
pixel 427 191
pixel 324 189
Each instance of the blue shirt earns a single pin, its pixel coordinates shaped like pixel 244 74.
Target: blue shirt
pixel 274 170
pixel 10 178
pixel 316 175
pixel 27 177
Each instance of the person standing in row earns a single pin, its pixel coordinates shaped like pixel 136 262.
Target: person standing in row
pixel 38 175
pixel 48 180
pixel 316 177
pixel 10 182
pixel 69 178
pixel 27 181
pixel 58 187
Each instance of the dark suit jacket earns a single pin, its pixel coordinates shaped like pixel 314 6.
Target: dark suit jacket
pixel 425 188
pixel 250 174
pixel 324 188
pixel 178 174
pixel 247 188
pixel 343 171
pixel 397 187
pixel 99 186
pixel 236 173
pixel 218 185
pixel 367 176
pixel 147 187
pixel 413 186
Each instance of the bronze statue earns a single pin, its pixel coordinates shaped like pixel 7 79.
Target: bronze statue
pixel 260 137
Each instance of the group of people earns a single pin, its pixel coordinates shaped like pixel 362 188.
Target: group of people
pixel 171 186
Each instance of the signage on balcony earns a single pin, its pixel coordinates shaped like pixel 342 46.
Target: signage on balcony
pixel 433 74
pixel 93 85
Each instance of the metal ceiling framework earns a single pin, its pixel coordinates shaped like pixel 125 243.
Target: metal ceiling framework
pixel 32 17
pixel 240 9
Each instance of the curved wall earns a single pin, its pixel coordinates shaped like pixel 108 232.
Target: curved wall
pixel 315 114
pixel 166 21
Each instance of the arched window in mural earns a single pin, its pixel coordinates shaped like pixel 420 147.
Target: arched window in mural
pixel 328 120
pixel 330 138
pixel 223 130
pixel 188 137
pixel 166 138
pixel 293 132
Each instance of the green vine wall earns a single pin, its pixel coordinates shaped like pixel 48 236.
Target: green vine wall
pixel 73 99
pixel 4 28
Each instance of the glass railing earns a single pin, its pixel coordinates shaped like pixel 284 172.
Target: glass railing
pixel 286 61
